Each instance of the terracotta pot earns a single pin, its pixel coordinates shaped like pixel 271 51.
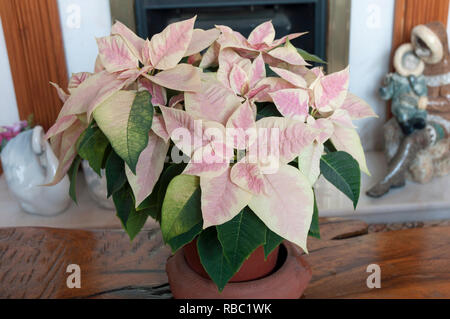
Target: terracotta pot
pixel 256 266
pixel 287 281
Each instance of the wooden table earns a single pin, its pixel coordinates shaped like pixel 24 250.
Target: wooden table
pixel 415 263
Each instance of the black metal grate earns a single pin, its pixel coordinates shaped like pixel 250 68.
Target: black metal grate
pixel 288 16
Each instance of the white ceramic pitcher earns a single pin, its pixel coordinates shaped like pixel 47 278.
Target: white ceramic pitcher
pixel 29 163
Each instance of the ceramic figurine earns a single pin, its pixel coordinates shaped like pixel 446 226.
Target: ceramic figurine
pixel 28 164
pixel 97 186
pixel 407 89
pixel 420 154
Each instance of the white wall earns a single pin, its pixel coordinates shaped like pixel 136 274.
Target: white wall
pixel 82 21
pixel 370 47
pixel 8 104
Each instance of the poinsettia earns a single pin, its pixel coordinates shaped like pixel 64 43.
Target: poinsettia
pixel 191 129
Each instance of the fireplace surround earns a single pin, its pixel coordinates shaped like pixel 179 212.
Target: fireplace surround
pixel 328 21
pixel 288 16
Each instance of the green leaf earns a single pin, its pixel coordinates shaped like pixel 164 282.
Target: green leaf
pixel 183 239
pixel 126 118
pixel 314 230
pixel 310 57
pixel 166 177
pixel 240 237
pixel 115 173
pixel 342 170
pixel 150 204
pixel 267 110
pixel 91 146
pixel 272 242
pixel 181 208
pixel 139 124
pixel 213 259
pixel 135 222
pixel 132 221
pixel 106 155
pixel 124 202
pixel 73 173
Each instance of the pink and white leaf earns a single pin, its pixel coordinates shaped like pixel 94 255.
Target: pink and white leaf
pixel 347 139
pixel 211 56
pixel 232 39
pixel 148 169
pixel 284 137
pixel 134 43
pixel 239 82
pixel 288 208
pixel 270 84
pixel 331 91
pixel 289 54
pixel 67 150
pixel 159 127
pixel 293 78
pixel 185 132
pixel 357 108
pixel 341 117
pixel 201 39
pixel 167 48
pixel 228 58
pixel 98 67
pixel 291 36
pixel 61 124
pixel 213 102
pixel 309 161
pixel 176 99
pixel 324 126
pixel 258 71
pixel 208 161
pixel 254 92
pixel 262 34
pixel 221 199
pixel 241 127
pixel 90 93
pixel 115 54
pixel 158 93
pixel 183 77
pixel 76 79
pixel 292 103
pixel 63 96
pixel 308 75
pixel 249 177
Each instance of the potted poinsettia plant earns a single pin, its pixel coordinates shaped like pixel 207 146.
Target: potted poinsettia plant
pixel 220 139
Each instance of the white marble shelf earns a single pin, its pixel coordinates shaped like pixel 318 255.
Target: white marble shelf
pixel 412 203
pixel 84 215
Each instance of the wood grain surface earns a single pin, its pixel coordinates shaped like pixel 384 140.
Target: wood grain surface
pixel 414 263
pixel 36 55
pixel 33 262
pixel 409 13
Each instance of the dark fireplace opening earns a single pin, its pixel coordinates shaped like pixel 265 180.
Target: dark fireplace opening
pixel 288 16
